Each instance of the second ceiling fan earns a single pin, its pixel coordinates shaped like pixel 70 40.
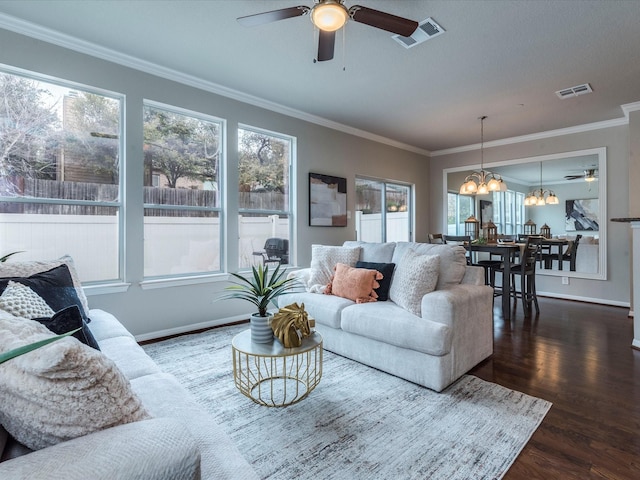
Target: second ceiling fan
pixel 330 16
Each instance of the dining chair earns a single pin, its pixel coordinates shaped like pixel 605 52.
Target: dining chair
pixel 569 255
pixel 458 240
pixel 435 238
pixel 526 269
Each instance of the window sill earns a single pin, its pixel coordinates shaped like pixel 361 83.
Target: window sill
pixel 105 289
pixel 182 281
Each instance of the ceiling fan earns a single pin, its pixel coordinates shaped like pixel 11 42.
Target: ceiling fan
pixel 331 15
pixel 589 175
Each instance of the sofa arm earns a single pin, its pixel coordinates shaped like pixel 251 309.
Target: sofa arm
pixel 154 449
pixel 462 303
pixel 473 275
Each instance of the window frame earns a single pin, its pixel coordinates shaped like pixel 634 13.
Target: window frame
pixel 383 205
pixel 221 184
pixel 118 204
pixel 291 170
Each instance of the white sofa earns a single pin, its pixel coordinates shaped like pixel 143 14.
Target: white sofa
pixel 181 441
pixel 452 335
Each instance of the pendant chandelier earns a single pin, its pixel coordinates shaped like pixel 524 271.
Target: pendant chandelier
pixel 484 181
pixel 540 196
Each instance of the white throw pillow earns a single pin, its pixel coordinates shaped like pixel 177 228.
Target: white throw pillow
pixel 61 391
pixel 414 277
pixel 324 258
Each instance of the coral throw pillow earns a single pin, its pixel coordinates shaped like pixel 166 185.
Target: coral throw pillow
pixel 357 284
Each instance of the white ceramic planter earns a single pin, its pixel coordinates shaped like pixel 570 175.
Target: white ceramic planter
pixel 261 331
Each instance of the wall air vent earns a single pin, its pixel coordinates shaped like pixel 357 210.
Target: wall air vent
pixel 427 29
pixel 574 91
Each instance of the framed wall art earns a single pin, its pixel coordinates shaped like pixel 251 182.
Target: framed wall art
pixel 582 215
pixel 327 201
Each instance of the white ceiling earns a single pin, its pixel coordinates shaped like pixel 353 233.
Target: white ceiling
pixel 500 58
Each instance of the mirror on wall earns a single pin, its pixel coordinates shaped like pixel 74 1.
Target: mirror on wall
pixel 578 179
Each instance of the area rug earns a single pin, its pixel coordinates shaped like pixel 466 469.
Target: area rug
pixel 359 423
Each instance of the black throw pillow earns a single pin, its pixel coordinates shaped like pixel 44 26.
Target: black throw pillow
pixel 54 286
pixel 386 269
pixel 69 319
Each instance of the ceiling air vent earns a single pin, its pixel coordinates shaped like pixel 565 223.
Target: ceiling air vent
pixel 427 29
pixel 574 91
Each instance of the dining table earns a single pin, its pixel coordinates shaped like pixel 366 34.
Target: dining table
pixel 507 252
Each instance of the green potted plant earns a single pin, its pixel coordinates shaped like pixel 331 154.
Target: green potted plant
pixel 260 288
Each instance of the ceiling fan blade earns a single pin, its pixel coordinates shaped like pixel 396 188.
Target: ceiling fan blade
pixel 326 45
pixel 573 177
pixel 382 20
pixel 273 16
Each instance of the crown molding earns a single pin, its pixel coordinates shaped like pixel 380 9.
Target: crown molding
pixel 616 122
pixel 54 37
pixel 630 107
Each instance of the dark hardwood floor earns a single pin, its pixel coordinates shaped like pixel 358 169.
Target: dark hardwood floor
pixel 579 357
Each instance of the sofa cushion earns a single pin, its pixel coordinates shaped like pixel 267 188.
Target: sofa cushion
pixel 324 258
pixel 128 356
pixel 325 309
pixel 453 261
pixel 386 269
pixel 388 323
pixel 69 319
pixel 28 268
pixel 415 276
pixel 104 325
pixel 372 251
pixel 357 284
pixel 54 287
pixel 61 391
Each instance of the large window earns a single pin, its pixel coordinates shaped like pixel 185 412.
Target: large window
pixel 265 160
pixel 383 211
pixel 60 173
pixel 459 208
pixel 508 212
pixel 182 228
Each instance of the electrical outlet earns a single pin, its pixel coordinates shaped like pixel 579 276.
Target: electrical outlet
pixel 565 280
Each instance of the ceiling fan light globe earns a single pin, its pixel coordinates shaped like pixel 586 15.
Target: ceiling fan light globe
pixel 329 16
pixel 589 178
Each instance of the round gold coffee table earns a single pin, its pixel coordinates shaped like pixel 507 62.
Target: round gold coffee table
pixel 272 375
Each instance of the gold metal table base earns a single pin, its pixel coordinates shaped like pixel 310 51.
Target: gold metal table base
pixel 272 375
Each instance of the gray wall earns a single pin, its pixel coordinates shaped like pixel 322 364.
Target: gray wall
pixel 615 290
pixel 180 307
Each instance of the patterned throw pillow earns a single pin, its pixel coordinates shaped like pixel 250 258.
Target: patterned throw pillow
pixel 61 391
pixel 415 276
pixel 55 287
pixel 357 284
pixel 21 301
pixel 323 261
pixel 29 268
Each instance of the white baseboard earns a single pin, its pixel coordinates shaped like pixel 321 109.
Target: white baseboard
pixel 599 301
pixel 189 328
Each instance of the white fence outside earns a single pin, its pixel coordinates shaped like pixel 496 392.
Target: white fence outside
pixel 172 245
